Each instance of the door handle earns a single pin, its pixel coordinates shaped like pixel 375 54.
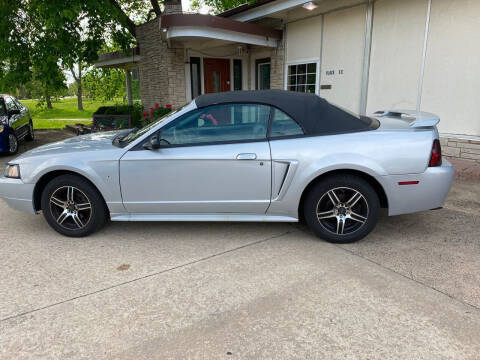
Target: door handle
pixel 246 156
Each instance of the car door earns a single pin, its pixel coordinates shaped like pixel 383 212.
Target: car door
pixel 24 117
pixel 15 116
pixel 214 160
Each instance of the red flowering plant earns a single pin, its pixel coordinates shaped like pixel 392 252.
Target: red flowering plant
pixel 155 113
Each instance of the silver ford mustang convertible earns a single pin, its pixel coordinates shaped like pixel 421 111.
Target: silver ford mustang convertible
pixel 240 156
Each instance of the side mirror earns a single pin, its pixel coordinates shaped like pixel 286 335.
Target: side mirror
pixel 153 144
pixel 13 112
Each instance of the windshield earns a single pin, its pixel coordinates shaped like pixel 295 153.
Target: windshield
pixel 126 139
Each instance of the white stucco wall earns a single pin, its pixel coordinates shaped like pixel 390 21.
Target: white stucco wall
pixel 451 81
pixel 300 33
pixel 396 54
pixel 451 86
pixel 343 48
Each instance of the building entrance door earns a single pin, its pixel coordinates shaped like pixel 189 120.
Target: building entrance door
pixel 216 75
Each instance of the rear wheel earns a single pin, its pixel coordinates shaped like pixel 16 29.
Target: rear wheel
pixel 31 134
pixel 342 208
pixel 73 206
pixel 12 144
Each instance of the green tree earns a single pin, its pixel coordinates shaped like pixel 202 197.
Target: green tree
pixel 104 84
pixel 44 36
pixel 218 6
pixel 40 37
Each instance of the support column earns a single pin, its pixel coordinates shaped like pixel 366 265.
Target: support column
pixel 128 80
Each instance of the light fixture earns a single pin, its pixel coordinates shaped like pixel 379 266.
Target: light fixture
pixel 12 171
pixel 310 5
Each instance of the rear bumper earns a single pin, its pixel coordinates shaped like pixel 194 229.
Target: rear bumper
pixel 17 194
pixel 430 192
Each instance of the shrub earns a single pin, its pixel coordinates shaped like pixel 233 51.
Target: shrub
pixel 155 113
pixel 135 111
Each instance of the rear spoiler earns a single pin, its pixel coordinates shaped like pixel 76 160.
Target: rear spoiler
pixel 416 118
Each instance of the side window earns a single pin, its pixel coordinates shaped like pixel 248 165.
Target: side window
pixel 19 105
pixel 219 123
pixel 9 103
pixel 284 125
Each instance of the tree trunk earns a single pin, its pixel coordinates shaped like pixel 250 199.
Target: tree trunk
pixel 48 99
pixel 78 80
pixel 79 94
pixel 22 92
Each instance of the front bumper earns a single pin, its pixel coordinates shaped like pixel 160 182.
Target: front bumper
pixel 430 192
pixel 4 145
pixel 17 194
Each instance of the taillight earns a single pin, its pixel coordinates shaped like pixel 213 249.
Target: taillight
pixel 436 158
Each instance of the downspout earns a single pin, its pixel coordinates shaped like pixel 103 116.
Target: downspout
pixel 366 58
pixel 424 55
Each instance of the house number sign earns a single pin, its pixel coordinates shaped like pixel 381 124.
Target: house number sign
pixel 332 72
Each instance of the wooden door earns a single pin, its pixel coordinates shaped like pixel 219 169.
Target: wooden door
pixel 217 75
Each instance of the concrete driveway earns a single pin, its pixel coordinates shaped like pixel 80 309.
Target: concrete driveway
pixel 410 290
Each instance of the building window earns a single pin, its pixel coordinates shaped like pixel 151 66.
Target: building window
pixel 302 77
pixel 262 74
pixel 195 77
pixel 237 74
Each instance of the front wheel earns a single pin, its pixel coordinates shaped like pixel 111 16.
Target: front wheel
pixel 12 144
pixel 73 206
pixel 342 208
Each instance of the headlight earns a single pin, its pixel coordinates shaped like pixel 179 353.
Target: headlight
pixel 1 128
pixel 12 171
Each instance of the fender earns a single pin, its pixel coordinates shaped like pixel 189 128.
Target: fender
pixel 288 204
pixel 103 175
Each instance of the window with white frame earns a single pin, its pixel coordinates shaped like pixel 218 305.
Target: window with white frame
pixel 302 77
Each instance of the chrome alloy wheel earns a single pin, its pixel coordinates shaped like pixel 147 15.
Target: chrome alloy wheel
pixel 342 210
pixel 70 207
pixel 12 143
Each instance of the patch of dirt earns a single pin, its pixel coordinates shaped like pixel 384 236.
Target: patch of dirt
pixel 123 267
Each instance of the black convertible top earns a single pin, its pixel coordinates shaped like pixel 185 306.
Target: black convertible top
pixel 316 115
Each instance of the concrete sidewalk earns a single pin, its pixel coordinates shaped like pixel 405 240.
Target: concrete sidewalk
pixel 244 291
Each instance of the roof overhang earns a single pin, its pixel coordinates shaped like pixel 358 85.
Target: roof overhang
pixel 119 59
pixel 185 27
pixel 249 12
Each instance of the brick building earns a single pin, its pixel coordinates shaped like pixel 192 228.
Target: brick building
pixel 364 55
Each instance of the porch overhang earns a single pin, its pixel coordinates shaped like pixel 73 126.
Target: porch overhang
pixel 188 27
pixel 119 59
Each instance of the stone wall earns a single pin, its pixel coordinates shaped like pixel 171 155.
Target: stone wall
pixel 277 70
pixel 457 147
pixel 162 71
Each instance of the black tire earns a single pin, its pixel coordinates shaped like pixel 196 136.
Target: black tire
pixel 71 216
pixel 12 143
pixel 31 133
pixel 329 212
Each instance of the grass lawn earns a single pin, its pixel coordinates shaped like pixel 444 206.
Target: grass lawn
pixel 63 109
pixel 57 124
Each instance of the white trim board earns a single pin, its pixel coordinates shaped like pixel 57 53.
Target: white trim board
pixel 212 33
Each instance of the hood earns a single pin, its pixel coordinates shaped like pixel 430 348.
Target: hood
pixel 90 142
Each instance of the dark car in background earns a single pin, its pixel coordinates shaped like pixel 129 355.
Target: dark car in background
pixel 15 124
